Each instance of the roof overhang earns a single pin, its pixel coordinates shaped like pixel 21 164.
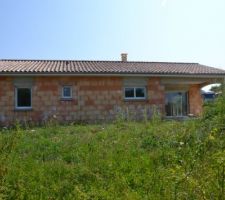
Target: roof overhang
pixel 190 80
pixel 211 76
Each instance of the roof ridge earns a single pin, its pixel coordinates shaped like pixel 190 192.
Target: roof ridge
pixel 111 61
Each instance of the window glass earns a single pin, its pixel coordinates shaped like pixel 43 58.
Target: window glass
pixel 67 92
pixel 140 92
pixel 135 93
pixel 129 92
pixel 23 97
pixel 176 103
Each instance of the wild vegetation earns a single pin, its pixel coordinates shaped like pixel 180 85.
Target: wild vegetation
pixel 124 160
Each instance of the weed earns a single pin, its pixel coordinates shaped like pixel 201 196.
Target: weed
pixel 125 160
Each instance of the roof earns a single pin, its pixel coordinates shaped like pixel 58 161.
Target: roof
pixel 104 67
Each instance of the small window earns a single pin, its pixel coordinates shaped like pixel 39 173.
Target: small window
pixel 23 98
pixel 135 93
pixel 140 92
pixel 67 92
pixel 129 93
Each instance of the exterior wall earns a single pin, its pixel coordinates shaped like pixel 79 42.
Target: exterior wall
pixel 195 100
pixel 156 93
pixel 94 99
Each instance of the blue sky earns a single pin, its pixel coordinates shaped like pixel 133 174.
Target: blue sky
pixel 149 30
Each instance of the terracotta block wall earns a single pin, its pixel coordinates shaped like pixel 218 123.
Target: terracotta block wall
pixel 195 100
pixel 156 93
pixel 94 99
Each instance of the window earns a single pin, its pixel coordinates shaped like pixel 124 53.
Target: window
pixel 135 93
pixel 67 92
pixel 23 98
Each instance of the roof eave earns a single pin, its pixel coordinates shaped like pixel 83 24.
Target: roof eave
pixel 112 74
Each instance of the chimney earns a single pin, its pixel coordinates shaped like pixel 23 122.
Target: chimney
pixel 124 57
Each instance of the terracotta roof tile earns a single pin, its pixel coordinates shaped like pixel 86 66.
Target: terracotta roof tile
pixel 105 67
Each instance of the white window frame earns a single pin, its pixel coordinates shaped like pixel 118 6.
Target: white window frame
pixel 16 99
pixel 71 92
pixel 135 98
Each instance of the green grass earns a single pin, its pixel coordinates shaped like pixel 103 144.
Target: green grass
pixel 124 160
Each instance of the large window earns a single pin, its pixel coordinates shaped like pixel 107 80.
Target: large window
pixel 23 98
pixel 176 104
pixel 66 92
pixel 135 93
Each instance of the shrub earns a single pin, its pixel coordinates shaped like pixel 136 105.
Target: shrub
pixel 214 113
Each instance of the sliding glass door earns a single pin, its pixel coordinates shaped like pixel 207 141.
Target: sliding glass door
pixel 176 104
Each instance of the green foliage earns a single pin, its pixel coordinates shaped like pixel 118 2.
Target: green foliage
pixel 125 160
pixel 214 113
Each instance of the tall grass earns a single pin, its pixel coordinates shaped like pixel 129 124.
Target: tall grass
pixel 124 160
